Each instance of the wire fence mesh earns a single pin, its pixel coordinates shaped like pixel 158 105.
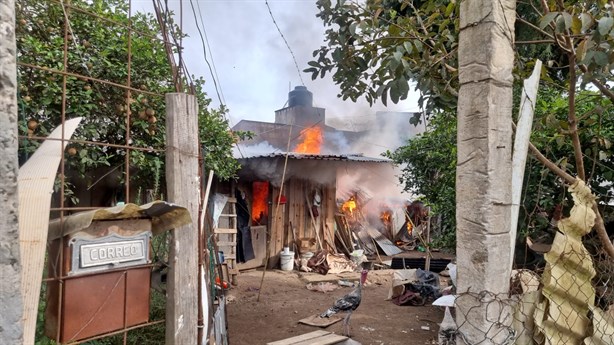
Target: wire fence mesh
pixel 110 65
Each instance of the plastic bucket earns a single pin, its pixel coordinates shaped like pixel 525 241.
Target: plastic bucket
pixel 287 261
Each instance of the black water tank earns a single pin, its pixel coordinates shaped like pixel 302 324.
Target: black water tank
pixel 300 96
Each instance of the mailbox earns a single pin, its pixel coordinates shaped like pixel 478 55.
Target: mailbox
pixel 106 268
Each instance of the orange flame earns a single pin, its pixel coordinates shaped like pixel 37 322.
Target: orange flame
pixel 386 217
pixel 349 206
pixel 311 140
pixel 260 211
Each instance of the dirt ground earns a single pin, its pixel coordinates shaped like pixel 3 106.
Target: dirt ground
pixel 285 300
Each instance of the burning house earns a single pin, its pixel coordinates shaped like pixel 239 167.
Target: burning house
pixel 302 198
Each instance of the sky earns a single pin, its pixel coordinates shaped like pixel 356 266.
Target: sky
pixel 255 69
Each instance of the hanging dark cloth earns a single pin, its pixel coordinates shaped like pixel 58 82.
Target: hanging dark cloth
pixel 245 249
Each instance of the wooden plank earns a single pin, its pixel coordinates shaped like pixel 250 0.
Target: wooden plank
pixel 224 231
pixel 298 338
pixel 278 229
pixel 324 340
pixel 300 204
pixel 330 205
pixel 322 322
pixel 182 152
pixel 226 243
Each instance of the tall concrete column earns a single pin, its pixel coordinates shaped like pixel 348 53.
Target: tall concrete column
pixel 483 177
pixel 11 308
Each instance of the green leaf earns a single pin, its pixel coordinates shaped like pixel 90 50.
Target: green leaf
pixel 403 87
pixel 395 93
pixel 547 19
pixel 567 19
pixel 581 51
pixel 601 58
pixel 561 24
pixel 587 21
pixel 604 25
pixel 564 125
pixel 450 8
pixel 576 26
pixel 397 56
pixel 362 63
pixel 353 28
pixel 408 47
pixel 418 45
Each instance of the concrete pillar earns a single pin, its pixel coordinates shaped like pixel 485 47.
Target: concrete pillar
pixel 11 308
pixel 483 177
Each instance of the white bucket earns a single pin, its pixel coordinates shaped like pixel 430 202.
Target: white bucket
pixel 287 261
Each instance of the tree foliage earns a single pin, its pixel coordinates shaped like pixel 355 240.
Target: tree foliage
pixel 374 48
pixel 431 156
pixel 429 161
pixel 97 47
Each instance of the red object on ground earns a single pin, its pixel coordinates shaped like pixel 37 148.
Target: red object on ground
pixel 223 284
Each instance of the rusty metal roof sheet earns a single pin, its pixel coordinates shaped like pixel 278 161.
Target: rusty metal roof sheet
pixel 330 157
pixel 164 216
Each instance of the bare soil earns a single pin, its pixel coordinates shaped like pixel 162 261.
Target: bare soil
pixel 285 300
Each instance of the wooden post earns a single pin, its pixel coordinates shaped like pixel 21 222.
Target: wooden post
pixel 182 182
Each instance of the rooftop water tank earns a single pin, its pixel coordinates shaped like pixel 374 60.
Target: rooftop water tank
pixel 300 96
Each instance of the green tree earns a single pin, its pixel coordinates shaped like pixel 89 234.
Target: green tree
pixel 97 47
pixel 429 162
pixel 374 49
pixel 431 157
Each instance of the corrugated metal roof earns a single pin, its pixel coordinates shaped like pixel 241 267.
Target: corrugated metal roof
pixel 330 157
pixel 164 215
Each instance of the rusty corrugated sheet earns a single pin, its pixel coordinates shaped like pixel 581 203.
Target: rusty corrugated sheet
pixel 329 157
pixel 35 183
pixel 164 216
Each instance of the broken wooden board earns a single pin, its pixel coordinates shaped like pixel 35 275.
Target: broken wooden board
pixel 319 278
pixel 316 320
pixel 313 338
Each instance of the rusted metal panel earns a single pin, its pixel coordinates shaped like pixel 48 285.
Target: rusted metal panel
pixel 105 278
pixel 95 304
